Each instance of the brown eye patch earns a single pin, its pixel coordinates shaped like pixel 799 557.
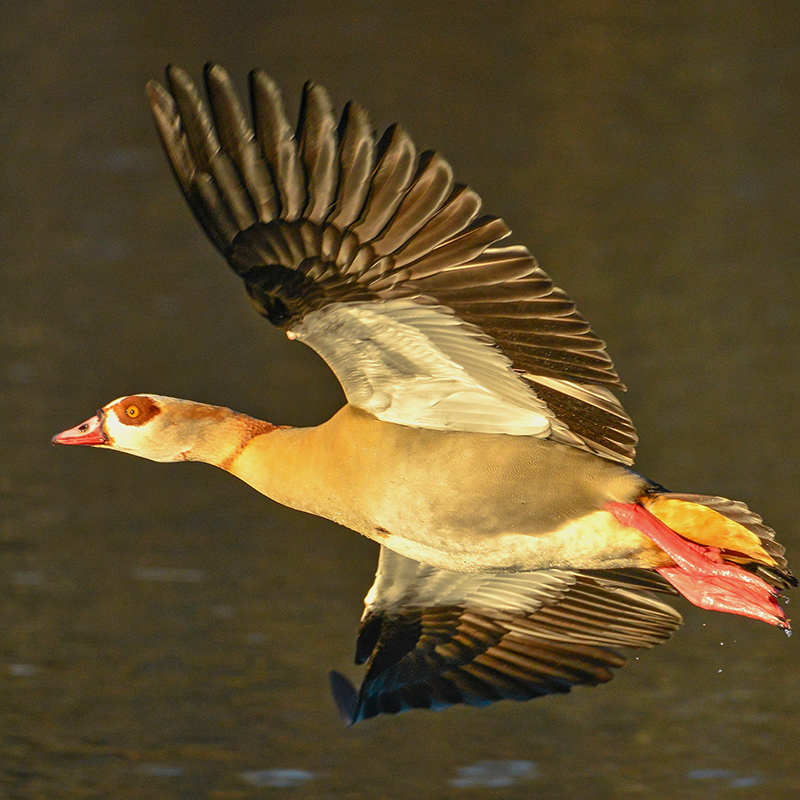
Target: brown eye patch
pixel 136 410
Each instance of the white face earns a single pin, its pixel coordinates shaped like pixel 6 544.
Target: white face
pixel 146 425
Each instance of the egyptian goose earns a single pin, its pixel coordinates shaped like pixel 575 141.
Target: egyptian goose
pixel 481 444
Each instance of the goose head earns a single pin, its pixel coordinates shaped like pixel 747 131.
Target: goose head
pixel 151 426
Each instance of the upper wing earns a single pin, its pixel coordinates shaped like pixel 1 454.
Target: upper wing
pixel 372 255
pixel 435 638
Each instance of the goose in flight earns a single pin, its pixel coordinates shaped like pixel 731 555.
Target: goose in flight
pixel 482 444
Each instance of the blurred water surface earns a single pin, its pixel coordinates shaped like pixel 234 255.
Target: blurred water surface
pixel 166 632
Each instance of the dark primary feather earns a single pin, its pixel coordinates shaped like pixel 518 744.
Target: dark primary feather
pixel 326 214
pixel 434 639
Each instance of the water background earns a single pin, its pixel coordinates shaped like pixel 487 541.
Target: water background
pixel 165 632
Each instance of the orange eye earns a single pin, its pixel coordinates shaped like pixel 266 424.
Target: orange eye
pixel 132 411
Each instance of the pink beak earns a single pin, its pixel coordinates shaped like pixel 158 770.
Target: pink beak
pixel 89 432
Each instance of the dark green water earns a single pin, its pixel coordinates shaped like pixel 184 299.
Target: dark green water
pixel 164 631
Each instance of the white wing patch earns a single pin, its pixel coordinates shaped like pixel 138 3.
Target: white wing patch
pixel 402 581
pixel 420 365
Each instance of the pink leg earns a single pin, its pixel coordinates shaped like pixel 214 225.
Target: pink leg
pixel 699 572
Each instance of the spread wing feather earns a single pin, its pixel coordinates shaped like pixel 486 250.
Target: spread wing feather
pixel 329 226
pixel 433 638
